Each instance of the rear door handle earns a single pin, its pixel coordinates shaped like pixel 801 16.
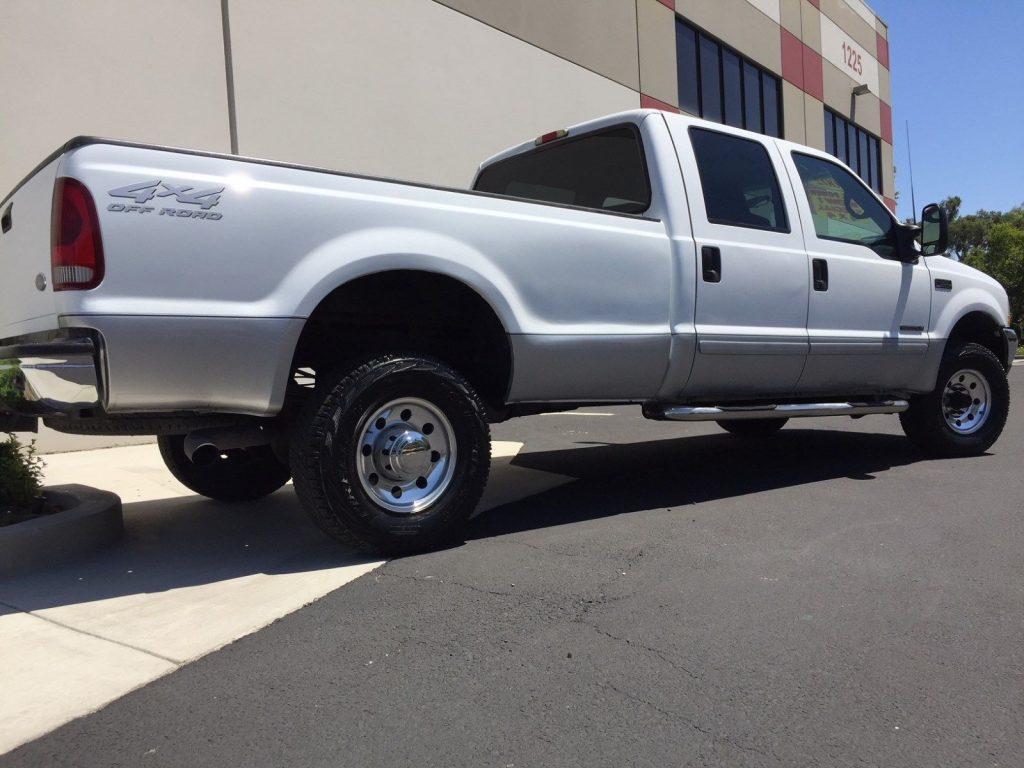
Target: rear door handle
pixel 711 264
pixel 820 269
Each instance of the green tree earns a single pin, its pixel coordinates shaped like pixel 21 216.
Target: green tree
pixel 992 241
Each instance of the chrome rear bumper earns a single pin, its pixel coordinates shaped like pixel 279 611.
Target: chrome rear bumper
pixel 51 376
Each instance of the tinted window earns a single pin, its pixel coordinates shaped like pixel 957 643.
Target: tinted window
pixel 604 170
pixel 770 95
pixel 842 207
pixel 840 129
pixel 687 68
pixel 752 96
pixel 855 147
pixel 717 83
pixel 732 88
pixel 710 85
pixel 739 182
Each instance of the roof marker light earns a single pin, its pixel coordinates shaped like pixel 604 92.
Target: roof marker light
pixel 553 136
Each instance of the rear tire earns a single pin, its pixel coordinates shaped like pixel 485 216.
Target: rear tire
pixel 244 474
pixel 752 427
pixel 391 457
pixel 966 412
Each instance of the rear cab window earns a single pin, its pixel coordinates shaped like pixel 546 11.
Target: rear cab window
pixel 604 170
pixel 741 188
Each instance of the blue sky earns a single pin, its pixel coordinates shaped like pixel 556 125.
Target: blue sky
pixel 958 77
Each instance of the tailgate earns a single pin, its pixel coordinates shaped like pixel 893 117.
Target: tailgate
pixel 25 255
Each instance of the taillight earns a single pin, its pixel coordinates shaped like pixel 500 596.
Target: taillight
pixel 76 253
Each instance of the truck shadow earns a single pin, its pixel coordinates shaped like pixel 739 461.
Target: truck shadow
pixel 190 541
pixel 620 479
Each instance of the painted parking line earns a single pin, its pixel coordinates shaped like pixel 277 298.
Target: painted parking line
pixel 577 413
pixel 188 577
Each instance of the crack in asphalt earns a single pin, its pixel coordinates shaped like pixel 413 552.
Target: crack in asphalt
pixel 677 718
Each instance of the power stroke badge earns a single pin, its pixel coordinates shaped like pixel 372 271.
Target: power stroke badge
pixel 145 191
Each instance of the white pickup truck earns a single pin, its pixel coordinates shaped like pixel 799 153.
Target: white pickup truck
pixel 266 320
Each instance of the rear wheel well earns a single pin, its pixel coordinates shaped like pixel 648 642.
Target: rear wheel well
pixel 981 329
pixel 410 311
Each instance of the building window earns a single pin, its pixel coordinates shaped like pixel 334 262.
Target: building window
pixel 717 83
pixel 855 147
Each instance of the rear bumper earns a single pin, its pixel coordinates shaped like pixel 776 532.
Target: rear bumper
pixel 1011 342
pixel 47 375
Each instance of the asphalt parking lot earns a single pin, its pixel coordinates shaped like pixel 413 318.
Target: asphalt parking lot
pixel 824 597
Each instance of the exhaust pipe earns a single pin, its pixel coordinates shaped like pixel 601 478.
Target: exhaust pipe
pixel 204 445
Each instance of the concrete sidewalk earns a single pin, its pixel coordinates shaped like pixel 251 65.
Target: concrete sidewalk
pixel 190 576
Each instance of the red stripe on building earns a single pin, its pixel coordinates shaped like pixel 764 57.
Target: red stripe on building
pixel 886 115
pixel 814 74
pixel 891 203
pixel 802 66
pixel 649 102
pixel 792 59
pixel 815 3
pixel 883 50
pixel 669 3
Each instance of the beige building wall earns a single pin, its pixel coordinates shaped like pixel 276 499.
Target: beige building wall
pixel 586 32
pixel 139 71
pixel 407 88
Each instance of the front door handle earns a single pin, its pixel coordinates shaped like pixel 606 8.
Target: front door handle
pixel 820 270
pixel 711 264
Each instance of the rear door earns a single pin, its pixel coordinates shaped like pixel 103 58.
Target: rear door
pixel 26 301
pixel 751 268
pixel 868 315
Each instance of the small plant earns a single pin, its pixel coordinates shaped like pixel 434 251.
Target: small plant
pixel 9 391
pixel 21 472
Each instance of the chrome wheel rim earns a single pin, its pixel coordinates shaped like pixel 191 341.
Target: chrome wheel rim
pixel 966 401
pixel 405 456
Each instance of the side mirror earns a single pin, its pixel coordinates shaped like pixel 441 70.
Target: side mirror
pixel 906 249
pixel 934 230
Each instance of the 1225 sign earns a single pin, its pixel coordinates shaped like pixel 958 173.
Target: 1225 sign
pixel 853 59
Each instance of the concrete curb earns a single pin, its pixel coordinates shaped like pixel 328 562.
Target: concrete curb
pixel 90 521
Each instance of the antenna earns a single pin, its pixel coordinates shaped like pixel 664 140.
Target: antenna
pixel 910 162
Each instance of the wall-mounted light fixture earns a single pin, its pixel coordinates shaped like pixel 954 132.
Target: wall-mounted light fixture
pixel 861 90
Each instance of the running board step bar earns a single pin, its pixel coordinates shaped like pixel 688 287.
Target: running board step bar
pixel 780 411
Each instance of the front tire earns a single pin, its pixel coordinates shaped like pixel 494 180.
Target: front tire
pixel 752 427
pixel 966 412
pixel 392 456
pixel 244 474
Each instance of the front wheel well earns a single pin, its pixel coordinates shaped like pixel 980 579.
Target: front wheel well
pixel 410 311
pixel 979 328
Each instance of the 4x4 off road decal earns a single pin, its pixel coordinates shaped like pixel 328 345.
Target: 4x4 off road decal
pixel 145 191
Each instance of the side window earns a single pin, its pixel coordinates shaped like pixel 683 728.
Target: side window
pixel 604 170
pixel 842 207
pixel 739 182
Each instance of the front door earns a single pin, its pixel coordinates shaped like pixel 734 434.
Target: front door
pixel 751 268
pixel 868 314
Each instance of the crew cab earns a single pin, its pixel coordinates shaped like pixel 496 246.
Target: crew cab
pixel 269 321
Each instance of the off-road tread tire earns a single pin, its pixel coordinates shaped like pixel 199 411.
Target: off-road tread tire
pixel 752 427
pixel 333 496
pixel 924 424
pixel 258 474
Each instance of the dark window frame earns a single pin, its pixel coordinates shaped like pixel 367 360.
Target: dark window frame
pixel 745 62
pixel 891 234
pixel 632 127
pixel 873 180
pixel 786 228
